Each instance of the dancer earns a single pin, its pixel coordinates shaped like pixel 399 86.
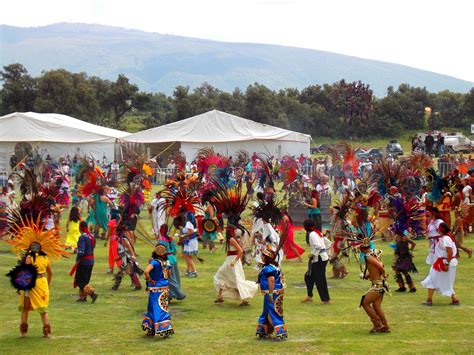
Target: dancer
pixel 32 277
pixel 157 320
pixel 158 215
pixel 98 212
pixel 316 274
pixel 443 270
pixel 229 281
pixel 314 211
pixel 404 262
pixel 209 237
pixel 128 259
pixel 84 264
pixel 434 220
pixel 174 281
pixel 189 243
pixel 372 299
pixel 72 229
pixel 114 258
pixel 290 248
pixel 458 230
pixel 271 285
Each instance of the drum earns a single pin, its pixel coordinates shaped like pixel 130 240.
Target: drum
pixel 209 225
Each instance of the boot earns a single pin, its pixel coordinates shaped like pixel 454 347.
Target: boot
pixel 94 297
pixel 23 329
pixel 135 282
pixel 377 325
pixel 412 287
pixel 385 328
pixel 117 282
pixel 47 331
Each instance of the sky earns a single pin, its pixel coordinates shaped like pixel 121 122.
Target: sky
pixel 435 35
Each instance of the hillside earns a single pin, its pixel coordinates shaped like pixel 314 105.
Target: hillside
pixel 157 62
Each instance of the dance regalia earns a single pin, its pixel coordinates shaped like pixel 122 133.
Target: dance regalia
pixel 272 315
pixel 98 214
pixel 38 295
pixel 174 281
pixel 231 279
pixel 403 258
pixel 157 320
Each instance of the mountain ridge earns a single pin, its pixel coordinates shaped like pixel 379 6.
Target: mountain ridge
pixel 160 62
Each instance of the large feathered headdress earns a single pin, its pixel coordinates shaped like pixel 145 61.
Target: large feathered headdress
pixel 268 211
pixel 231 201
pixel 30 231
pixel 409 216
pixel 177 200
pixel 36 202
pixel 289 170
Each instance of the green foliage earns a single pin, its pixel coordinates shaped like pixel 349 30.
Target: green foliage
pixel 346 110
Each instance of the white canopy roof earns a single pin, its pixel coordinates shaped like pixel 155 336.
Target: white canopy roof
pixel 53 127
pixel 215 127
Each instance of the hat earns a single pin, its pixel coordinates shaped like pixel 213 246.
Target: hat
pixel 269 253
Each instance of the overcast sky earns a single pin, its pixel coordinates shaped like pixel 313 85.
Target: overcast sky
pixel 434 35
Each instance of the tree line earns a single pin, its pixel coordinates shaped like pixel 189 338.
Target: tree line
pixel 339 110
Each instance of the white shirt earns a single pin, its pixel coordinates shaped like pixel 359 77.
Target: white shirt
pixel 318 247
pixel 433 228
pixel 442 244
pixel 324 188
pixel 467 191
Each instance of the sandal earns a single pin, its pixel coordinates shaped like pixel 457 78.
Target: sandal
pixel 455 303
pixel 428 303
pixel 219 300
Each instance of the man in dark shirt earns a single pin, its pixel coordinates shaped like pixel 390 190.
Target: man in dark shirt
pixel 85 264
pixel 429 142
pixel 13 161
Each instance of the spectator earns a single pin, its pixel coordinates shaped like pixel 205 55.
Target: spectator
pixel 440 144
pixel 429 142
pixel 13 161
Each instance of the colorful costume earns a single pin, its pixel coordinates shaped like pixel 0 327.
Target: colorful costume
pixel 98 214
pixel 39 295
pixel 84 266
pixel 157 320
pixel 404 265
pixel 174 281
pixel 272 315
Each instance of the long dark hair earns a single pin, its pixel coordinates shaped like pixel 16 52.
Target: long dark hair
pixel 74 214
pixel 229 234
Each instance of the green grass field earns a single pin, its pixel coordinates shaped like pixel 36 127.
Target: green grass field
pixel 113 324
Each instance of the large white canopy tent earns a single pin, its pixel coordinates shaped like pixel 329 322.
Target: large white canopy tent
pixel 226 133
pixel 54 134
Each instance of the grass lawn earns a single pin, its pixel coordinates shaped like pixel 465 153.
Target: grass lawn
pixel 113 324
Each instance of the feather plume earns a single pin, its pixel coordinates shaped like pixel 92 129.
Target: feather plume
pixel 289 170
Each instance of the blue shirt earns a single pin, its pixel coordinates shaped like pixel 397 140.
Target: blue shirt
pixel 85 249
pixel 266 272
pixel 157 274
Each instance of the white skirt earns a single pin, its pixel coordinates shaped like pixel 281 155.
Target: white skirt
pixel 191 247
pixel 231 280
pixel 442 282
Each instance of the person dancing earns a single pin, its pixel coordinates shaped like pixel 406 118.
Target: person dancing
pixel 157 321
pixel 229 281
pixel 271 285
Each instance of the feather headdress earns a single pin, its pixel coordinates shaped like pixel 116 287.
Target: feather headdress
pixel 36 202
pixel 409 216
pixel 420 162
pixel 385 175
pixel 177 200
pixel 289 170
pixel 268 211
pixel 30 231
pixel 231 201
pixel 351 163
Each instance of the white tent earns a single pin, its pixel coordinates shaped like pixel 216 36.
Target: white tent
pixel 56 135
pixel 226 133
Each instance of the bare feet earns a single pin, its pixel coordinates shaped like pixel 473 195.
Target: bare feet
pixel 307 299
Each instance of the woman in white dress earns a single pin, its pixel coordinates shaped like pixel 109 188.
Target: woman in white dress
pixel 434 220
pixel 443 270
pixel 229 281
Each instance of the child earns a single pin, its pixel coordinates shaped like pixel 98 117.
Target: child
pixel 114 258
pixel 72 229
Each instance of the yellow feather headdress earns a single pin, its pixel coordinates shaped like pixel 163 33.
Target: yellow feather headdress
pixel 33 231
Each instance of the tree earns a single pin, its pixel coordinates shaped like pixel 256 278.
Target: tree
pixel 353 103
pixel 19 89
pixel 261 105
pixel 122 97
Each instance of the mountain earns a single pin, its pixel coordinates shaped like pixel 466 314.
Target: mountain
pixel 157 62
